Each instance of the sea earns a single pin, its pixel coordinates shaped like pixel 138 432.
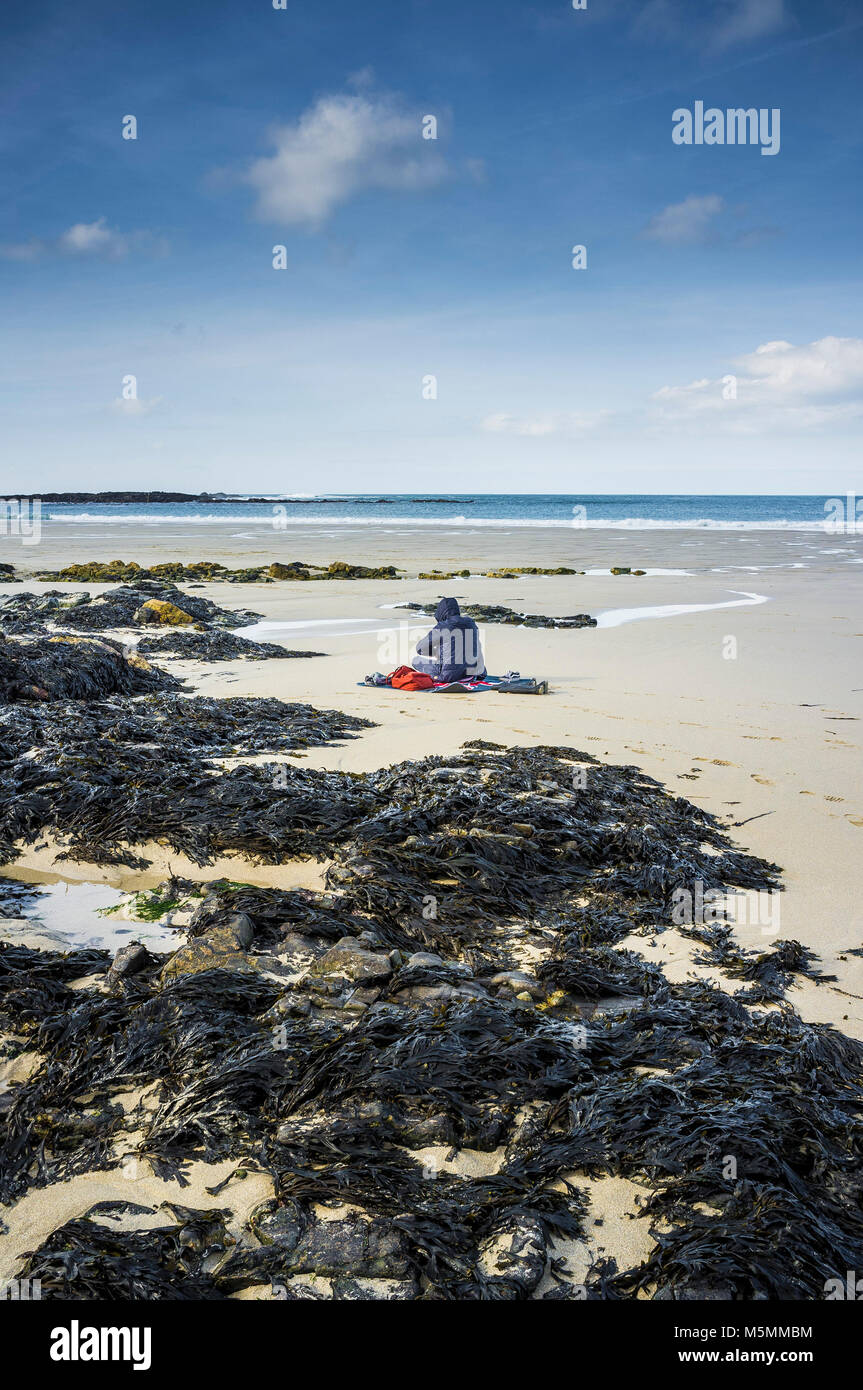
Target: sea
pixel 595 511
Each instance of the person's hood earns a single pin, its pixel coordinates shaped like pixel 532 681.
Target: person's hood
pixel 447 609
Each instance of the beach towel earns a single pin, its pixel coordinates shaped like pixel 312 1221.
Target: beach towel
pixel 506 685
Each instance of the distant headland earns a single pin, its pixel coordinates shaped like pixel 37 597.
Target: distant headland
pixel 221 498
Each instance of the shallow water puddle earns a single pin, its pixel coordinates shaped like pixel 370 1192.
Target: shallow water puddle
pixel 319 628
pixel 66 916
pixel 616 617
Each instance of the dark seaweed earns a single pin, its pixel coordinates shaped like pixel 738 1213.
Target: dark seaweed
pixel 215 646
pixel 743 1126
pixel 85 1260
pixel 62 668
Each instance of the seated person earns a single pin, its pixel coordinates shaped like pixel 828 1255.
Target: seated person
pixel 452 650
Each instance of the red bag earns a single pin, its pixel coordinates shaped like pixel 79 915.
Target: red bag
pixel 406 678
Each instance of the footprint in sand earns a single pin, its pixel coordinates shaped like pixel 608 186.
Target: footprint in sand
pixel 834 798
pixel 722 762
pixel 855 820
pixel 765 781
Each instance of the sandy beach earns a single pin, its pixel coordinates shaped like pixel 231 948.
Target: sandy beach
pixel 727 672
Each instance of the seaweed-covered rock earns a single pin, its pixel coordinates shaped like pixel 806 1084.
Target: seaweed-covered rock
pixel 494 613
pixel 115 608
pixel 129 960
pixel 85 1260
pixel 295 570
pixel 177 571
pixel 157 610
pixel 215 646
pixel 223 947
pixel 73 668
pixel 340 569
pixel 350 959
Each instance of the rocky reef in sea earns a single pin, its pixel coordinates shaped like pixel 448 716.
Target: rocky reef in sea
pixel 475 980
pixel 199 571
pixel 494 613
pixel 175 571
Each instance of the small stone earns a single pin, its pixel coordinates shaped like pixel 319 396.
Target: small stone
pixel 349 959
pixel 423 959
pixel 519 983
pixel 128 961
pixel 299 952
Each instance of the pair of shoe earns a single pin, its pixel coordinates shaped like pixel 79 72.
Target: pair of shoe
pixel 523 686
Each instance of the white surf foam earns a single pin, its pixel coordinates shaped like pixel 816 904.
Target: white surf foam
pixel 281 523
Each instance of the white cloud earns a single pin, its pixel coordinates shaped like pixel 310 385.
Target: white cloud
pixel 777 389
pixel 341 146
pixel 561 422
pixel 86 238
pixel 685 223
pixel 95 239
pixel 830 367
pixel 778 386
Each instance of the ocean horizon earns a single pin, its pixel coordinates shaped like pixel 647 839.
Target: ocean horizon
pixel 589 511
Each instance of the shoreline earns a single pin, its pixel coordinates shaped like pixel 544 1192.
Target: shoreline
pixel 433 545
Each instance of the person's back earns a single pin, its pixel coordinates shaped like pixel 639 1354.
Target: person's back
pixel 451 651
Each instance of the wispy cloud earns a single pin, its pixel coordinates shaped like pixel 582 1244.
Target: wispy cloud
pixel 718 25
pixel 747 21
pixel 685 223
pixel 83 239
pixel 340 147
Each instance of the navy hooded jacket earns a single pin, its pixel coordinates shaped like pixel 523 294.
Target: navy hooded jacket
pixel 452 650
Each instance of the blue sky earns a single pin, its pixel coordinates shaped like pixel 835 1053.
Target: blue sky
pixel 712 343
